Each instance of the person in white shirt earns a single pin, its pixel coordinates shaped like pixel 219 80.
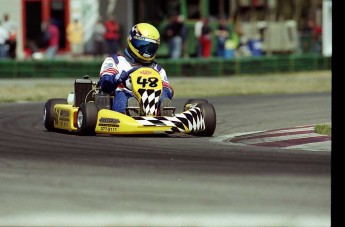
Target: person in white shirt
pixel 3 38
pixel 11 41
pixel 197 33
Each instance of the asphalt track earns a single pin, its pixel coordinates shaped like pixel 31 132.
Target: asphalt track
pixel 62 179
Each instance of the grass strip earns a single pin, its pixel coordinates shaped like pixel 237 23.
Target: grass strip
pixel 40 90
pixel 323 129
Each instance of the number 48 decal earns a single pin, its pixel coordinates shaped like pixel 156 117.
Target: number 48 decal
pixel 150 81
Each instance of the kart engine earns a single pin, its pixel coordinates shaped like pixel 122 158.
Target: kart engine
pixel 82 90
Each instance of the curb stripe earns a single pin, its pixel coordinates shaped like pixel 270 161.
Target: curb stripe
pixel 291 128
pixel 293 142
pixel 299 137
pixel 319 146
pixel 278 138
pixel 272 135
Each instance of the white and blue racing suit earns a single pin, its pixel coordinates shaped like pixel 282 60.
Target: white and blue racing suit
pixel 114 72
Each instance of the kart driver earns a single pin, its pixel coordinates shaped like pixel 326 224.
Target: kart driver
pixel 142 45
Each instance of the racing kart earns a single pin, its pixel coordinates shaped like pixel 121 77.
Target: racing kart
pixel 88 111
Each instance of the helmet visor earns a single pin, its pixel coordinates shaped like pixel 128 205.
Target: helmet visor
pixel 146 47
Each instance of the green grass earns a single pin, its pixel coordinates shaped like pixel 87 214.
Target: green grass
pixel 40 90
pixel 323 129
pixel 253 84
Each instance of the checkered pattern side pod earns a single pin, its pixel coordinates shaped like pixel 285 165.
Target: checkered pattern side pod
pixel 191 119
pixel 149 100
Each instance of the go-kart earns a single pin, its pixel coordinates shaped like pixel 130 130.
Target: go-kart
pixel 88 111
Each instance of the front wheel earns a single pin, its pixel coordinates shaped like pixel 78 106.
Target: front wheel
pixel 210 119
pixel 87 119
pixel 190 102
pixel 48 115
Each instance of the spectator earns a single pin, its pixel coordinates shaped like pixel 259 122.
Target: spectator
pixel 316 35
pixel 52 36
pixel 206 39
pixel 11 28
pixel 173 34
pixel 75 36
pixel 98 38
pixel 3 37
pixel 112 34
pixel 242 47
pixel 222 33
pixel 184 35
pixel 197 33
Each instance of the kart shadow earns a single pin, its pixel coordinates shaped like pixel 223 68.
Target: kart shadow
pixel 173 135
pixel 160 135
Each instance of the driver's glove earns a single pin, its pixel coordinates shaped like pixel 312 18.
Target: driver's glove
pixel 110 82
pixel 119 79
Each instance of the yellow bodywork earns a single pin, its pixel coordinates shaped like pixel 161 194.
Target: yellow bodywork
pixel 65 117
pixel 145 78
pixel 147 87
pixel 108 122
pixel 112 122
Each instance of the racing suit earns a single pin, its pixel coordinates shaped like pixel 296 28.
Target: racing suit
pixel 114 72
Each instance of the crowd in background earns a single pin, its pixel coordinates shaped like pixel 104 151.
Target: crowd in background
pixel 8 37
pixel 176 32
pixel 106 37
pixel 228 39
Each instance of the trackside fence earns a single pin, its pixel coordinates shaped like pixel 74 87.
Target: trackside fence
pixel 187 67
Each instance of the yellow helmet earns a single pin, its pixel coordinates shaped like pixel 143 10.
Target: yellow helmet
pixel 143 42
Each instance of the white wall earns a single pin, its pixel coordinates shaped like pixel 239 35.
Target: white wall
pixel 87 12
pixel 327 28
pixel 14 9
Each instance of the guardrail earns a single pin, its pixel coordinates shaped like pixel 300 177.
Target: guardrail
pixel 188 67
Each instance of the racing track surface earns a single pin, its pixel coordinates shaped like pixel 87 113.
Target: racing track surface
pixel 57 179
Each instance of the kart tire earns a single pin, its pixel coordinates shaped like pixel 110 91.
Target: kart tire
pixel 87 119
pixel 48 114
pixel 210 119
pixel 193 101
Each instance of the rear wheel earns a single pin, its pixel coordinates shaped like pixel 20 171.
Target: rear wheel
pixel 48 115
pixel 87 119
pixel 210 119
pixel 190 102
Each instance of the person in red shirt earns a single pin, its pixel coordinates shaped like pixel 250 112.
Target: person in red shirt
pixel 52 35
pixel 112 34
pixel 316 33
pixel 206 39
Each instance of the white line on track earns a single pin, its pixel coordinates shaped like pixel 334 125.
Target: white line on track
pixel 221 139
pixel 279 138
pixel 289 130
pixel 153 219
